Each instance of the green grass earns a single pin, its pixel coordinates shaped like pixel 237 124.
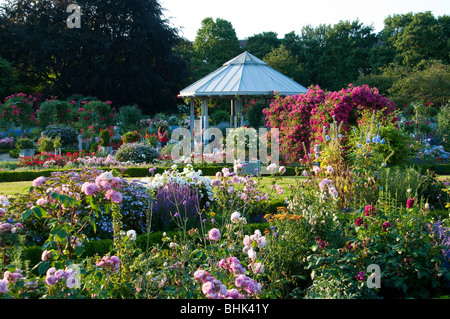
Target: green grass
pixel 12 188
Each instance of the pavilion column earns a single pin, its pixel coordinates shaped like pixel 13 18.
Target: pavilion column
pixel 232 114
pixel 192 116
pixel 205 119
pixel 239 120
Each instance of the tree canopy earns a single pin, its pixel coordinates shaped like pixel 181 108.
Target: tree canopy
pixel 122 51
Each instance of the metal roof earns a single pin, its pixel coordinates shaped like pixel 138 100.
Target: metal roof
pixel 245 75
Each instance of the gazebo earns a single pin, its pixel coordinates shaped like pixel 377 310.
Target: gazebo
pixel 243 76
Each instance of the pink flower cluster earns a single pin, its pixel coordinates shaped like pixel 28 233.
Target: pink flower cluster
pixel 301 118
pixel 214 289
pixel 54 276
pixel 232 264
pixel 6 227
pixel 107 262
pixel 331 188
pixel 10 278
pixel 106 183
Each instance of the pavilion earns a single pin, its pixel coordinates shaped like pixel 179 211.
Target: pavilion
pixel 242 77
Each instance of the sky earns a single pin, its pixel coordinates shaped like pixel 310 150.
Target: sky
pixel 250 17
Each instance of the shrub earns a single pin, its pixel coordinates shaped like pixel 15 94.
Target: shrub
pixel 137 153
pixel 443 124
pixel 131 137
pixel 18 112
pixel 220 116
pixel 129 117
pixel 105 137
pixel 24 144
pixel 301 118
pixel 54 112
pixel 67 134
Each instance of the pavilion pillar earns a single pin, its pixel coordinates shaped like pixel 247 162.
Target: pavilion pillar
pixel 232 114
pixel 205 120
pixel 192 116
pixel 239 119
pixel 192 121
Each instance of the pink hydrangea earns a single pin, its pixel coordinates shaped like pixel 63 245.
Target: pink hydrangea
pixel 38 181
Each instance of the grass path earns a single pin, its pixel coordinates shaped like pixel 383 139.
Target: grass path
pixel 12 188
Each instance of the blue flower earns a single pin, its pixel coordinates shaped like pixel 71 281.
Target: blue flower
pixel 327 137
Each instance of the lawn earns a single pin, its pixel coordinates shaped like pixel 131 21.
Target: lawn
pixel 11 188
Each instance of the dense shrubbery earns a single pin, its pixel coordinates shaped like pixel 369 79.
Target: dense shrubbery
pixel 137 153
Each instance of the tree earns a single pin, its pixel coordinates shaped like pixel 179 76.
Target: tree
pixel 430 80
pixel 334 56
pixel 122 52
pixel 216 42
pixel 7 77
pixel 263 43
pixel 285 62
pixel 416 37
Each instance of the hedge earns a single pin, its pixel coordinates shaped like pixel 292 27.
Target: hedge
pixel 16 176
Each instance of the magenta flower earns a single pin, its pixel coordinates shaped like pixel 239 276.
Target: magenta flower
pixel 359 221
pixel 410 203
pixel 386 225
pixel 360 276
pixel 370 210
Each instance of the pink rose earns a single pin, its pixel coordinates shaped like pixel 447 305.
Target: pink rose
pixel 214 234
pixel 89 188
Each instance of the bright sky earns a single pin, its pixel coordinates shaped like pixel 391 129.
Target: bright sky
pixel 250 17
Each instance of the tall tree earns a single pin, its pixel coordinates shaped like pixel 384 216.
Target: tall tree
pixel 122 51
pixel 216 42
pixel 416 37
pixel 285 62
pixel 334 56
pixel 261 44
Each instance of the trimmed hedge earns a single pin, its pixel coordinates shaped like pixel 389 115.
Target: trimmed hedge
pixel 16 176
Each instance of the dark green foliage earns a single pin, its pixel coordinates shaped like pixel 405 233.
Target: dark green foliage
pixel 117 41
pixel 67 134
pixel 54 112
pixel 129 117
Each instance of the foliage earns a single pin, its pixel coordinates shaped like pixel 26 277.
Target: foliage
pixel 301 118
pixel 54 112
pixel 105 137
pixel 46 145
pixel 67 134
pixel 17 111
pixel 131 137
pixel 24 144
pixel 129 117
pixel 99 35
pixel 137 153
pixel 216 42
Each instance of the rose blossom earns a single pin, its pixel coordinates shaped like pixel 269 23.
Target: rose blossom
pixel 214 234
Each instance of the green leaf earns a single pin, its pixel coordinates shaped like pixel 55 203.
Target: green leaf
pixel 43 267
pixel 26 214
pixel 79 250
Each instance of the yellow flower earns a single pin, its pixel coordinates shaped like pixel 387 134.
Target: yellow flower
pixel 448 205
